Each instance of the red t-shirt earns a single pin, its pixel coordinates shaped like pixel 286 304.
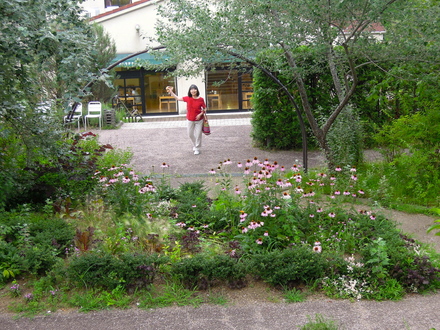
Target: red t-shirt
pixel 193 107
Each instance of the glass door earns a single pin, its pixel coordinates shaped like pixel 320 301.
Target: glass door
pixel 145 92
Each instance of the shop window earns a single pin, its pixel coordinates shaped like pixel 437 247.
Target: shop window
pixel 228 90
pixel 145 91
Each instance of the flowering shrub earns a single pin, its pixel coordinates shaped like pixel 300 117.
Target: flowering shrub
pixel 15 289
pixel 281 225
pixel 354 284
pixel 124 190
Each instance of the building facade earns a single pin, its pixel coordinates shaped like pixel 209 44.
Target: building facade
pixel 129 24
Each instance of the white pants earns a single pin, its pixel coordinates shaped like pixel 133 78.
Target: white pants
pixel 194 130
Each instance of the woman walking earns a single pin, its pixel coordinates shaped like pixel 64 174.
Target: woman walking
pixel 195 109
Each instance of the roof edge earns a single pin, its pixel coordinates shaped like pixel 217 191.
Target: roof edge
pixel 123 8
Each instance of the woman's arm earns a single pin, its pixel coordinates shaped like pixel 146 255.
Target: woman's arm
pixel 170 90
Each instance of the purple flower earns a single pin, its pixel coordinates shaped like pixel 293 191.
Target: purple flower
pixel 28 296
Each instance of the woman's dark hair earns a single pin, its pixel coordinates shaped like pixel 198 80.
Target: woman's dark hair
pixel 193 87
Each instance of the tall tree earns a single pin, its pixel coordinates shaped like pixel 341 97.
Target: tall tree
pixel 338 31
pixel 47 53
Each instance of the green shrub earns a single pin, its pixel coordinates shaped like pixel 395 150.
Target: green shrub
pixel 345 139
pixel 39 259
pixel 290 267
pixel 94 269
pixel 192 204
pixel 411 142
pixel 35 241
pixel 275 123
pixel 11 261
pixel 139 270
pixel 203 271
pixel 54 232
pixel 103 270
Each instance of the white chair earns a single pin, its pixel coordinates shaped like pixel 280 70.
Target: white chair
pixel 94 110
pixel 75 114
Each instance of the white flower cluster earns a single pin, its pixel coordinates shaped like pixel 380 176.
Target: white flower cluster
pixel 353 285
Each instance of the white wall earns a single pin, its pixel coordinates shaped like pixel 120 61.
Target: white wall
pixel 121 26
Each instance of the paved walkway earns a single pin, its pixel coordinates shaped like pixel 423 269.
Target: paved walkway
pixel 159 140
pixel 412 313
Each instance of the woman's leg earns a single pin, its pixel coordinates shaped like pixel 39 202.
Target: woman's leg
pixel 190 132
pixel 194 130
pixel 198 133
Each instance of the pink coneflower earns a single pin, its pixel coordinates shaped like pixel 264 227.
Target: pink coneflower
pixel 319 210
pixel 126 179
pixel 346 193
pixel 239 164
pixel 317 249
pixel 255 160
pixel 331 215
pixel 212 171
pixel 149 216
pixel 353 169
pixel 103 179
pixel 354 177
pixel 282 168
pixel 266 233
pixel 194 205
pixel 244 230
pixel 361 192
pixel 311 215
pixel 237 190
pixel 338 169
pixel 164 165
pixel 227 162
pixel 337 192
pixel 249 163
pixel 259 241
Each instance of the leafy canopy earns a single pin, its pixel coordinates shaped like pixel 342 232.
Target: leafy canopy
pixel 204 33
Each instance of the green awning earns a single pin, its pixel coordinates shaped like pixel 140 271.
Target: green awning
pixel 135 61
